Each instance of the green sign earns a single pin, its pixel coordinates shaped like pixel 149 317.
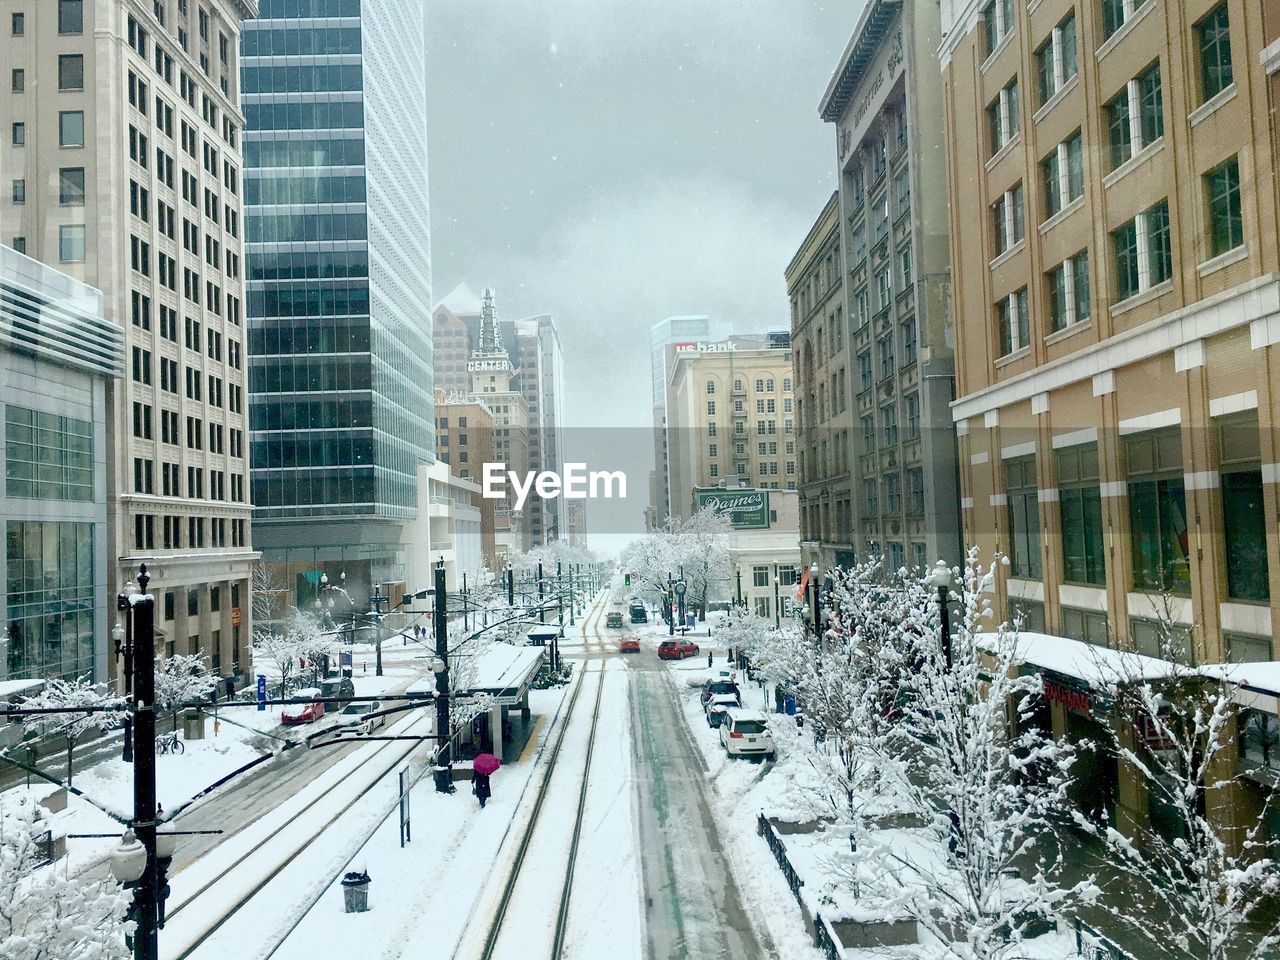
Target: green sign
pixel 746 509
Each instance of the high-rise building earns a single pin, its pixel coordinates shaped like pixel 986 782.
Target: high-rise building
pixel 1114 244
pixel 542 383
pixel 339 285
pixel 122 146
pixel 885 101
pixel 454 330
pixel 493 384
pixel 824 415
pixel 683 329
pixel 58 355
pixel 464 443
pixel 729 415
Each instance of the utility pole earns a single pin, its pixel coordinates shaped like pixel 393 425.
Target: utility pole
pixel 542 614
pixel 573 600
pixel 444 739
pixel 146 945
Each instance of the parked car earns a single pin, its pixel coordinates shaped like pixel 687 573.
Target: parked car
pixel 745 733
pixel 629 643
pixel 677 649
pixel 364 714
pixel 718 707
pixel 303 712
pixel 715 688
pixel 688 648
pixel 638 613
pixel 337 688
pixel 613 620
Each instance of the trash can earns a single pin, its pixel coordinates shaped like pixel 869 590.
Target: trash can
pixel 355 892
pixel 192 725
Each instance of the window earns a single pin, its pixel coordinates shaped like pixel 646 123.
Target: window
pixel 50 574
pixel 18 80
pixel 1015 332
pixel 902 190
pixel 19 134
pixel 904 268
pixel 71 16
pixel 1142 252
pixel 871 496
pixel 1226 228
pixel 893 494
pixel 71 128
pixel 48 457
pixel 1116 13
pixel 711 387
pixel 71 243
pixel 1158 511
pixel 889 417
pixel 1023 496
pixel 1069 299
pixel 909 341
pixel 18 24
pixel 1243 511
pixel 760 576
pixel 1080 508
pixel 915 491
pixel 1056 60
pixel 1259 741
pixel 19 191
pixel 711 408
pixel 1007 219
pixel 1135 116
pixel 1063 172
pixel 71 71
pixel 71 186
pixel 887 365
pixel 1088 626
pixel 912 404
pixel 864 369
pixel 997 21
pixel 1214 35
pixel 1003 117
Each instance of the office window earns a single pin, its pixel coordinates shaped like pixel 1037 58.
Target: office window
pixel 889 417
pixel 909 341
pixel 71 71
pixel 871 496
pixel 1226 228
pixel 711 387
pixel 997 21
pixel 18 24
pixel 19 134
pixel 18 80
pixel 1142 251
pixel 71 16
pixel 1244 518
pixel 1014 322
pixel 1069 298
pixel 19 244
pixel 71 243
pixel 51 599
pixel 1135 116
pixel 893 493
pixel 711 408
pixel 1158 512
pixel 864 369
pixel 1056 60
pixel 1063 172
pixel 1214 36
pixel 71 186
pixel 915 491
pixel 1023 497
pixel 71 128
pixel 1003 119
pixel 1007 219
pixel 1088 626
pixel 19 191
pixel 47 456
pixel 1080 509
pixel 887 364
pixel 1116 13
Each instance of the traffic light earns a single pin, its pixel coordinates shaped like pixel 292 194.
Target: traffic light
pixel 626 579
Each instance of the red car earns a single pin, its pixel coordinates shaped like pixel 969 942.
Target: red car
pixel 303 712
pixel 629 644
pixel 677 649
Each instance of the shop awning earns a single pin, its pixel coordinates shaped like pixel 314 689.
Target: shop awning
pixel 1257 684
pixel 1098 667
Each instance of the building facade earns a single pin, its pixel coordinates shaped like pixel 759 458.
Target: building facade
pixel 464 443
pixel 449 527
pixel 122 147
pixel 1114 243
pixel 58 353
pixel 339 284
pixel 885 103
pixel 729 412
pixel 683 329
pixel 454 329
pixel 764 549
pixel 824 413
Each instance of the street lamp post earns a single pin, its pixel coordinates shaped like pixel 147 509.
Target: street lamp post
pixel 942 579
pixel 542 615
pixel 671 606
pixel 511 585
pixel 444 738
pixel 738 571
pixel 777 600
pixel 122 634
pixel 815 593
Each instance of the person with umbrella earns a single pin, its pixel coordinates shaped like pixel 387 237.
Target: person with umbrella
pixel 482 769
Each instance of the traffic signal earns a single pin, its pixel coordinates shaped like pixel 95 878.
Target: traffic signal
pixel 626 579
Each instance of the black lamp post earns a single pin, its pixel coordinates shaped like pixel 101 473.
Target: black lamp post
pixel 511 586
pixel 444 735
pixel 542 615
pixel 739 575
pixel 777 600
pixel 375 603
pixel 816 594
pixel 942 578
pixel 671 606
pixel 122 634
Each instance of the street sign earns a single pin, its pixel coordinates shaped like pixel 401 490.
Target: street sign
pixel 746 509
pixel 262 692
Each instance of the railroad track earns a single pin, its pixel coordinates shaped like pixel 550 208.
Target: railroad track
pixel 510 886
pixel 288 830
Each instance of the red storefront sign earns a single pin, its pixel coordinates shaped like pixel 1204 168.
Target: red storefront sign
pixel 1071 699
pixel 235 616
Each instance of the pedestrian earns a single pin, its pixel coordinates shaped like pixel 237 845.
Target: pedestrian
pixel 480 787
pixel 709 660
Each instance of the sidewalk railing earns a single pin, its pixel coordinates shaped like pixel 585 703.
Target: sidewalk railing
pixel 779 849
pixel 826 940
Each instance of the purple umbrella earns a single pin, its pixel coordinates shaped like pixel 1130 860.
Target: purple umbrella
pixel 485 764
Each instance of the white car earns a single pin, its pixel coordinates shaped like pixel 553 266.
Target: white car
pixel 366 713
pixel 717 705
pixel 745 733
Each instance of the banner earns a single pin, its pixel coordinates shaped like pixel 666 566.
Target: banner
pixel 746 509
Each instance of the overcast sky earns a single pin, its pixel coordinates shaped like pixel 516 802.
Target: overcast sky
pixel 614 162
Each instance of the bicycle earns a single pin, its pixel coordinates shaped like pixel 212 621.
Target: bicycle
pixel 170 744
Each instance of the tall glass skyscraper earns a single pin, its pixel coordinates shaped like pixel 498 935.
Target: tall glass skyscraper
pixel 339 304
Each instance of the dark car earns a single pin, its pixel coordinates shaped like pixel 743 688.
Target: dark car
pixel 337 688
pixel 613 620
pixel 714 687
pixel 639 614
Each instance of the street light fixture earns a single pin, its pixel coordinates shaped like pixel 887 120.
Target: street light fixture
pixel 942 579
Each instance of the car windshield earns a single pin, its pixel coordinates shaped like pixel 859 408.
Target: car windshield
pixel 749 726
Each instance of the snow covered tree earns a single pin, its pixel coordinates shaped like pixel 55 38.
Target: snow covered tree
pixel 268 595
pixel 989 785
pixel 696 548
pixel 73 696
pixel 1200 884
pixel 180 680
pixel 47 916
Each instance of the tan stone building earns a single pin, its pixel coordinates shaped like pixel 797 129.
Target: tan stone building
pixel 464 443
pixel 122 157
pixel 729 414
pixel 884 101
pixel 1117 307
pixel 824 414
